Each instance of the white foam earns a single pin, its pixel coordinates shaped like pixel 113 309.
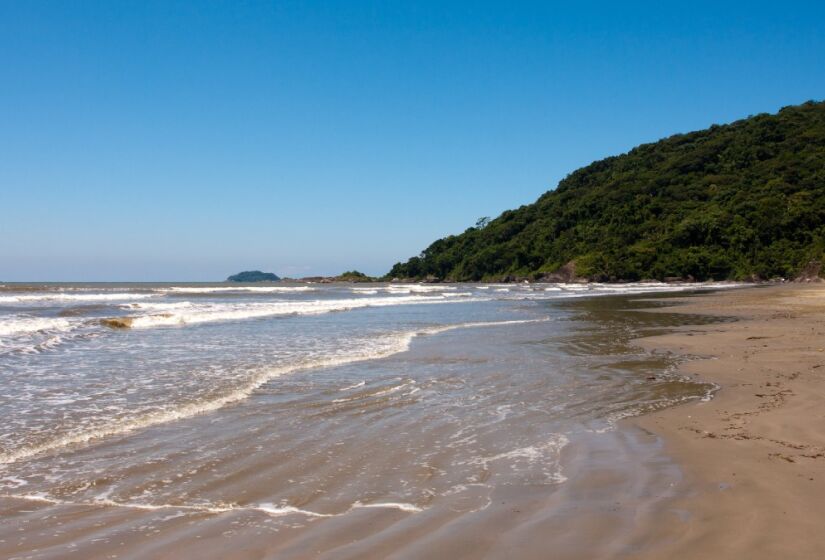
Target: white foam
pixel 419 288
pixel 190 314
pixel 575 290
pixel 230 289
pixel 160 306
pixel 357 385
pixel 405 507
pixel 13 325
pixel 547 455
pixel 381 393
pixel 267 508
pixel 480 324
pixel 278 511
pixel 67 297
pixel 381 348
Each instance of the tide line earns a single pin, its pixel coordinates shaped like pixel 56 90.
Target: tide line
pixel 267 508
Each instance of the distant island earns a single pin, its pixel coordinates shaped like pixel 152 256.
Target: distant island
pixel 253 276
pixel 348 276
pixel 742 201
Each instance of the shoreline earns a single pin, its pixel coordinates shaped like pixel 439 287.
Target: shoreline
pixel 753 457
pixel 717 479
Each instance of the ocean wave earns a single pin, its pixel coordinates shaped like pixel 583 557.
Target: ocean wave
pixel 378 348
pixel 419 288
pixel 66 297
pixel 230 289
pixel 32 335
pixel 576 290
pixel 191 314
pixel 15 325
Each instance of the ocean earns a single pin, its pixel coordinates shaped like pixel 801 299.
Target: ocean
pixel 277 414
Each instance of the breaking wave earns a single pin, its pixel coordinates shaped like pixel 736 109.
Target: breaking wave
pixel 186 313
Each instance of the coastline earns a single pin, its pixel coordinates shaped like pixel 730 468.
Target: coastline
pixel 753 457
pixel 525 491
pixel 728 478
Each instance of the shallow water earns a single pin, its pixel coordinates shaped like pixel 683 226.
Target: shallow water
pixel 291 405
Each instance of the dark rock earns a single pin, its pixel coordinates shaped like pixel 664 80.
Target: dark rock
pixel 811 272
pixel 566 273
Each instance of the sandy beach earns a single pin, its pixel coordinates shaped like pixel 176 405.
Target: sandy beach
pixel 753 458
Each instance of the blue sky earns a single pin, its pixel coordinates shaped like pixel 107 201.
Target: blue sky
pixel 187 141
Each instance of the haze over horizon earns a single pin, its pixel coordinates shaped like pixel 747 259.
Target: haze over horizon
pixel 152 142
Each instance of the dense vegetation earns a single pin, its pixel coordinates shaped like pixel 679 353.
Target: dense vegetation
pixel 743 200
pixel 253 276
pixel 353 276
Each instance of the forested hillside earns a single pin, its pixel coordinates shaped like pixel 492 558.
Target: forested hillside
pixel 737 201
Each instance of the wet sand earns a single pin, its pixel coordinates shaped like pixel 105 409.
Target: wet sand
pixel 753 458
pixel 589 516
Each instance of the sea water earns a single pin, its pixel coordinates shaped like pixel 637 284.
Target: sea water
pixel 315 400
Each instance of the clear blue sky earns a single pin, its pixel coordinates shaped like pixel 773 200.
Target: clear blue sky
pixel 172 141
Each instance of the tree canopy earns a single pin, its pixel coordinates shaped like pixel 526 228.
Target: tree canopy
pixel 736 201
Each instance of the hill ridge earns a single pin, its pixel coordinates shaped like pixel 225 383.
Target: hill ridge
pixel 744 200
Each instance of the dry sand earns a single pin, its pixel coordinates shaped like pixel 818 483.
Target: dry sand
pixel 754 457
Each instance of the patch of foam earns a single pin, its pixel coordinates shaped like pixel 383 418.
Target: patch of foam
pixel 277 511
pixel 355 386
pixel 547 454
pixel 405 507
pixel 379 393
pixel 267 508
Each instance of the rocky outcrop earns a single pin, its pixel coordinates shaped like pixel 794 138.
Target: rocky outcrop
pixel 812 272
pixel 566 273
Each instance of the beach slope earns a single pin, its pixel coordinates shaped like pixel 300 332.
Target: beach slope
pixel 754 456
